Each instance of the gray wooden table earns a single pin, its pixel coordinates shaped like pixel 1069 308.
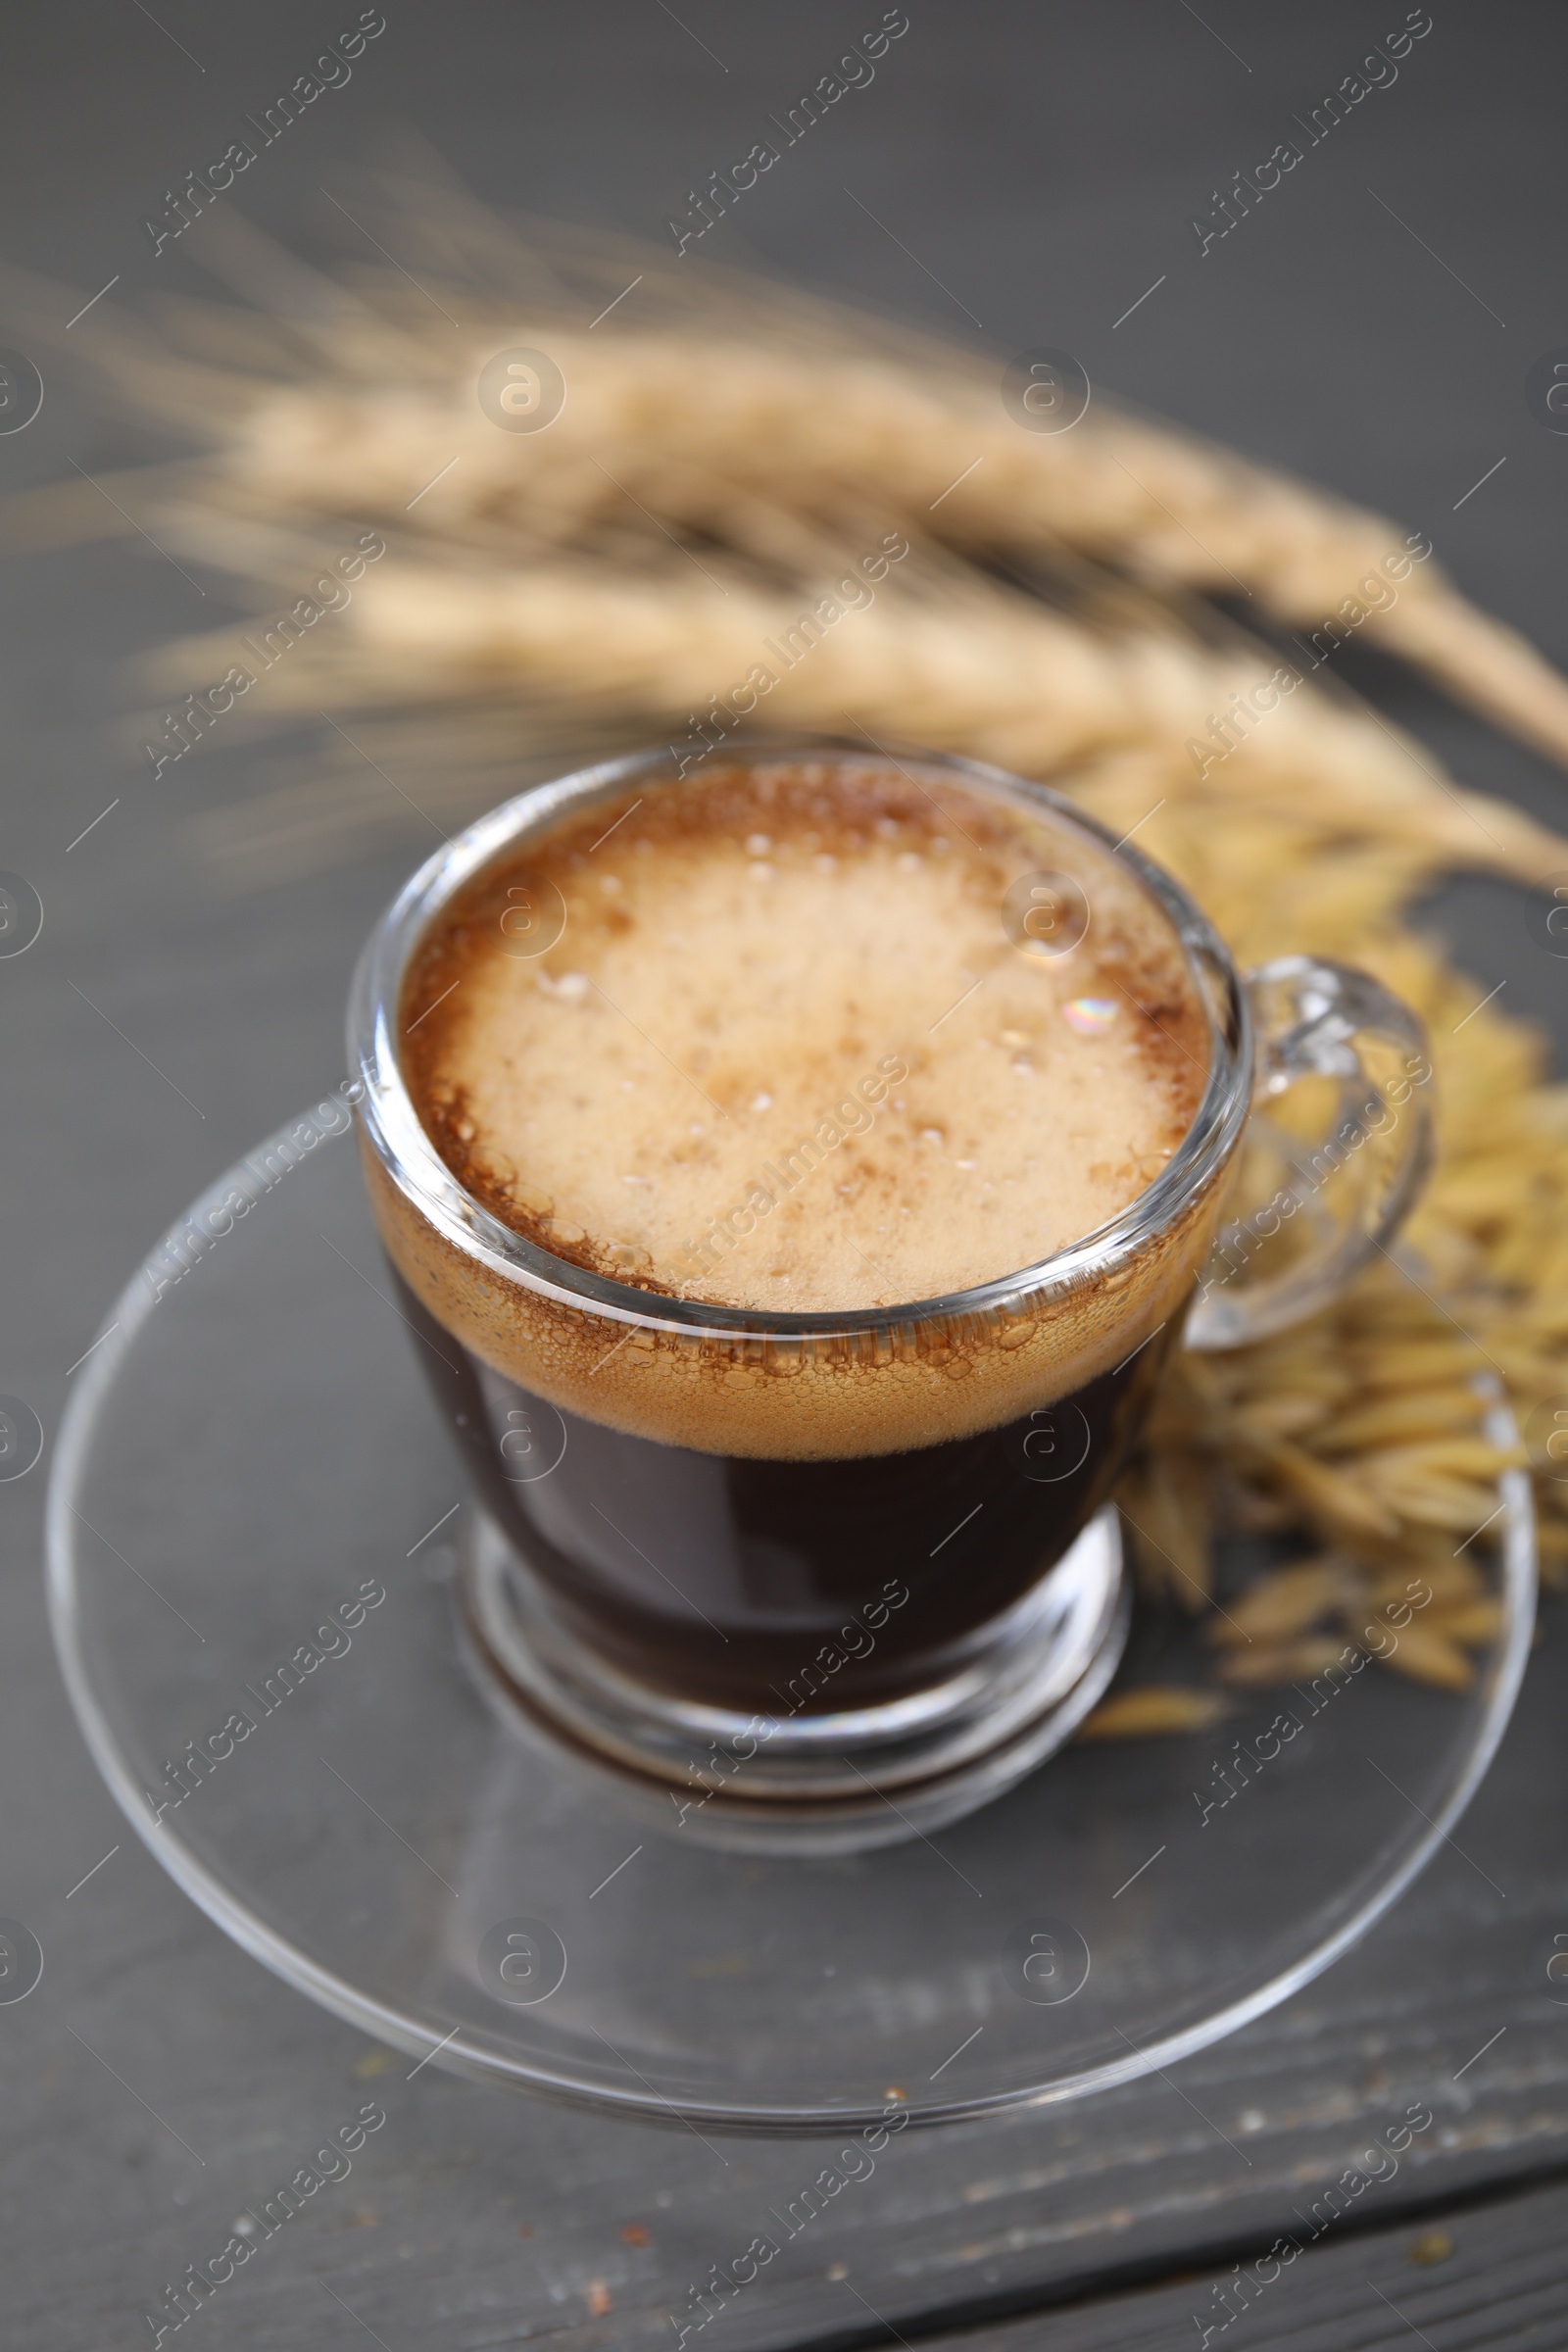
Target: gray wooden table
pixel 1044 164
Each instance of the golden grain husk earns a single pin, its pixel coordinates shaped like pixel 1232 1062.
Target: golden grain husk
pixel 1152 1712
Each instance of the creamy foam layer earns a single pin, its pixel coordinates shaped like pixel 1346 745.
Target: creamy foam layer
pixel 795 1046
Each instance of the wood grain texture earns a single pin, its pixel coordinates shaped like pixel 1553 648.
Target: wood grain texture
pixel 1483 2278
pixel 1320 336
pixel 472 2220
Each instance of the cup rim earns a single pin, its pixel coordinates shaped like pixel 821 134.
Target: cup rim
pixel 391 1127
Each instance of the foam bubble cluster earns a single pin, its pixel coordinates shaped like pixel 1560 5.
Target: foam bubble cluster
pixel 785 1052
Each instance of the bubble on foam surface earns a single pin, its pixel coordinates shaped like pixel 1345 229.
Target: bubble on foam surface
pixel 823 1033
pixel 1090 1016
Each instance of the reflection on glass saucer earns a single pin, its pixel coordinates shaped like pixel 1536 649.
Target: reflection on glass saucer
pixel 254 1527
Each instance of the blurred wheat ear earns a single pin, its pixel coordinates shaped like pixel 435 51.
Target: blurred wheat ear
pixel 726 449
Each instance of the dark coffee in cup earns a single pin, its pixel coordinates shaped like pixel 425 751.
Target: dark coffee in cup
pixel 785 1074
pixel 784 1588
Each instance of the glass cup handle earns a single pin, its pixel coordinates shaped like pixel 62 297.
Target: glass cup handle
pixel 1341 1197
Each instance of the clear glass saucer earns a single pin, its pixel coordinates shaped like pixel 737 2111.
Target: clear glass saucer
pixel 254 1522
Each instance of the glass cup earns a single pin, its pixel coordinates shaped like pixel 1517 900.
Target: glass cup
pixel 829 1579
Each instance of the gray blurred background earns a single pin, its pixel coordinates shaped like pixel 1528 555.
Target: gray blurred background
pixel 1037 169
